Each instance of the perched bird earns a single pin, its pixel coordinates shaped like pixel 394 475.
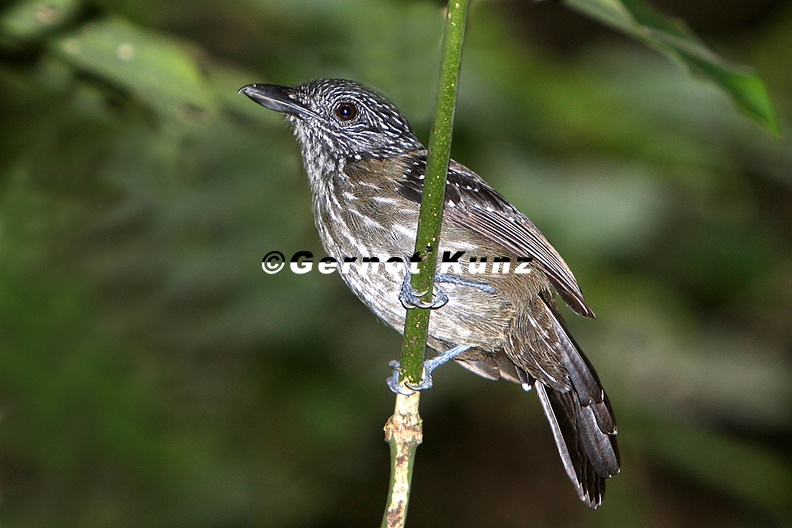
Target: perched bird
pixel 366 169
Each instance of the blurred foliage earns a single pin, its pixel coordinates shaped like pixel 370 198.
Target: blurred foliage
pixel 152 375
pixel 672 37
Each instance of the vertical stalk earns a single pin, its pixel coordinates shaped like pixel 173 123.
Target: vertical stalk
pixel 404 429
pixel 416 325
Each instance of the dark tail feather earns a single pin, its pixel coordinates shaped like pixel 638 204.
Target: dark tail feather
pixel 589 456
pixel 581 417
pixel 582 422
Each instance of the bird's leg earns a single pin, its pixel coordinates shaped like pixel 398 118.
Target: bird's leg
pixel 429 366
pixel 410 298
pixel 454 279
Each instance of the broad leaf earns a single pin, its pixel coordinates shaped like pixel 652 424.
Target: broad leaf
pixel 159 71
pixel 672 37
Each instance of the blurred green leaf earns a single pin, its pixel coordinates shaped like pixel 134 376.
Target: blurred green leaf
pixel 29 20
pixel 158 70
pixel 673 38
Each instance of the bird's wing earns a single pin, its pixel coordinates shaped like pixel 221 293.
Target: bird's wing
pixel 472 204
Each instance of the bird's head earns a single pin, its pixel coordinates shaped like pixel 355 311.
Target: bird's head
pixel 338 120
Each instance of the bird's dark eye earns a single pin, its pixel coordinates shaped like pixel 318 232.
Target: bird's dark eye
pixel 346 111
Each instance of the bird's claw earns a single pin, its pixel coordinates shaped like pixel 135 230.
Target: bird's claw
pixel 411 298
pixel 406 388
pixel 429 366
pixel 395 384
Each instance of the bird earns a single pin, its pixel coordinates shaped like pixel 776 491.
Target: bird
pixel 366 168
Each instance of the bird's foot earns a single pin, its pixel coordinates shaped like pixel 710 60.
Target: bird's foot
pixel 395 384
pixel 411 298
pixel 430 365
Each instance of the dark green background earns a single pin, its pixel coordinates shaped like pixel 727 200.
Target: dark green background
pixel 152 375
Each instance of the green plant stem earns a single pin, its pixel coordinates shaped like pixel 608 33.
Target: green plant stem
pixel 404 429
pixel 416 326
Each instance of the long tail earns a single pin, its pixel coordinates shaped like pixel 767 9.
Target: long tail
pixel 582 421
pixel 577 408
pixel 583 426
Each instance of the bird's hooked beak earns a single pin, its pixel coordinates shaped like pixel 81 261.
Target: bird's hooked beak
pixel 278 98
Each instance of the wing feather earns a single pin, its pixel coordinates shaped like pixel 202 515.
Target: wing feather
pixel 473 205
